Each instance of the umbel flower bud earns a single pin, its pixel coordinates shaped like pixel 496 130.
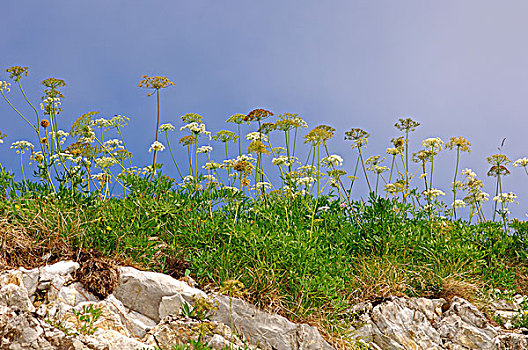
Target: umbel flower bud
pixel 44 123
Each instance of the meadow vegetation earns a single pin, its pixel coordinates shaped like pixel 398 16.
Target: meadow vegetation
pixel 299 242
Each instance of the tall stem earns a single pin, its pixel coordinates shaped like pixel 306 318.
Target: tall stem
pixel 157 129
pixel 364 170
pixel 454 182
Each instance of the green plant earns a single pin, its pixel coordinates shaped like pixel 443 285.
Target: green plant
pixel 87 317
pixel 201 310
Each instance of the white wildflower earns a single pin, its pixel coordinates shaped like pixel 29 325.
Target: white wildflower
pixel 156 146
pixel 167 127
pixel 105 162
pixel 254 136
pixel 305 181
pixel 22 146
pixel 102 177
pixel 102 123
pixel 204 149
pixel 284 160
pixel 433 193
pixel 505 197
pixel 458 204
pixel 188 178
pixel 433 143
pixel 196 128
pixel 212 165
pixel 210 178
pixel 230 188
pixel 4 85
pixel 113 144
pixel 469 173
pixel 332 160
pixel 393 151
pixel 262 186
pixel 521 162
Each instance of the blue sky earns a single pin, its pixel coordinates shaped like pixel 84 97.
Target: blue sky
pixel 458 67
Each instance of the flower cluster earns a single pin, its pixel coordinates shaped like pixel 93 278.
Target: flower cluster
pixel 156 146
pixel 22 146
pixel 4 85
pixel 433 193
pixel 521 162
pixel 433 144
pixel 505 197
pixel 459 143
pixel 284 160
pixel 257 136
pixel 332 160
pixel 167 127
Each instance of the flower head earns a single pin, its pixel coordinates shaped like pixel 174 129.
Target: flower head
pixel 284 160
pixel 458 204
pixel 237 119
pixel 433 193
pixel 332 160
pixel 505 197
pixel 406 124
pixel 521 162
pixel 204 149
pixel 105 162
pixel 22 146
pixel 225 136
pixel 16 72
pixel 319 135
pixel 155 82
pixel 196 128
pixel 4 85
pixel 167 127
pixel 191 118
pixel 156 146
pixel 257 136
pixel 119 120
pixel 358 136
pixel 460 143
pixel 258 115
pixel 433 144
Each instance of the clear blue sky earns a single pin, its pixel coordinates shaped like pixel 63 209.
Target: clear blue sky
pixel 458 67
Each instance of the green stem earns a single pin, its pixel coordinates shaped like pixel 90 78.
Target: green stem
pixel 454 182
pixel 364 170
pixel 172 155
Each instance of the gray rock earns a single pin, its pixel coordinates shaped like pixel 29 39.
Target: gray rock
pixel 268 331
pixel 31 279
pixel 170 305
pixel 16 298
pixel 142 291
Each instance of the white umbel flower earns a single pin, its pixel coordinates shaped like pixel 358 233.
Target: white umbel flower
pixel 433 193
pixel 156 146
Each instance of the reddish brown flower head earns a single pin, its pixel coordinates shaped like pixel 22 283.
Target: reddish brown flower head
pixel 258 114
pixel 44 123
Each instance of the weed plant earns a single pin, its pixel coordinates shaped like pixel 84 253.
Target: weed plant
pixel 303 246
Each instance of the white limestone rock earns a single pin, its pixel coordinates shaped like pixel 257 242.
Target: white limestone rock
pixel 269 331
pixel 113 340
pixel 170 305
pixel 16 298
pixel 142 291
pixel 31 279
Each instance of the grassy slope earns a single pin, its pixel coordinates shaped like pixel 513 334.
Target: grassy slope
pixel 308 266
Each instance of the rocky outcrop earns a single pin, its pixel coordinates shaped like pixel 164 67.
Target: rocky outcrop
pixel 46 308
pixel 434 324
